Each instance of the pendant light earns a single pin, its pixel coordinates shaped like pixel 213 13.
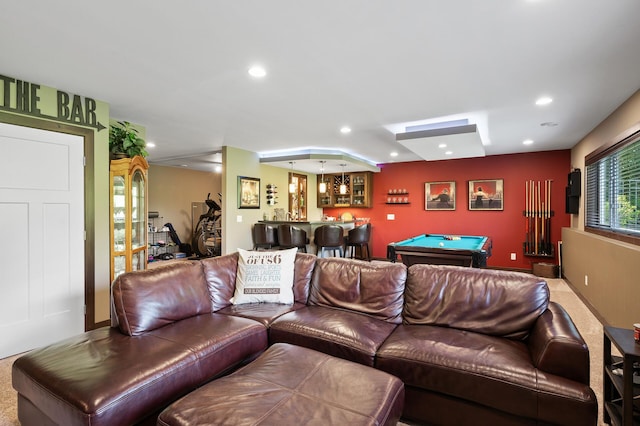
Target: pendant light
pixel 292 185
pixel 343 187
pixel 322 188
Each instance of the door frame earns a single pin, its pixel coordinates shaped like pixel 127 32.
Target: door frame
pixel 89 201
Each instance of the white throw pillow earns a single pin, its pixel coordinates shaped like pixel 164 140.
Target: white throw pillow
pixel 265 276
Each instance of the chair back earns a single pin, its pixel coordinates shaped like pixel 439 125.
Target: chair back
pixel 290 236
pixel 360 234
pixel 264 235
pixel 328 236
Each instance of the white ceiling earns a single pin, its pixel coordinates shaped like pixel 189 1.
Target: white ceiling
pixel 180 69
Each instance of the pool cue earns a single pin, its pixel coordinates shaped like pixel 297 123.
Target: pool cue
pixel 541 201
pixel 542 213
pixel 548 221
pixel 542 226
pixel 549 216
pixel 534 230
pixel 532 218
pixel 526 217
pixel 529 224
pixel 537 216
pixel 543 220
pixel 529 217
pixel 539 219
pixel 542 207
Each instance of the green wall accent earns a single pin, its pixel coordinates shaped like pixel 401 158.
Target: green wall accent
pixel 45 105
pixel 238 162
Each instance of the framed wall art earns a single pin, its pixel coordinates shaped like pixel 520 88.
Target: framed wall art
pixel 440 196
pixel 487 194
pixel 248 193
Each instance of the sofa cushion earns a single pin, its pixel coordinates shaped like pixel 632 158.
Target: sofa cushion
pixel 338 332
pixel 220 341
pixel 290 385
pixel 265 313
pixel 220 274
pixel 146 300
pixel 371 288
pixel 103 377
pixel 492 371
pixel 264 276
pixel 493 302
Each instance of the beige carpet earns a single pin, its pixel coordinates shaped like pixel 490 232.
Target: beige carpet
pixel 590 329
pixel 8 415
pixel 587 324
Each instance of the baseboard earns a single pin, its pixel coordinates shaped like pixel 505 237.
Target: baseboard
pixel 585 302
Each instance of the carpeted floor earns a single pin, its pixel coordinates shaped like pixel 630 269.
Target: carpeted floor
pixel 588 325
pixel 591 330
pixel 8 415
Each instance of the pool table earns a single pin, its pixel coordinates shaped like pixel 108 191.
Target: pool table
pixel 440 249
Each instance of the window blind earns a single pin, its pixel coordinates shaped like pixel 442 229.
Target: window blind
pixel 613 190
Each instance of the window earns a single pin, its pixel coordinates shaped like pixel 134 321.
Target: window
pixel 613 190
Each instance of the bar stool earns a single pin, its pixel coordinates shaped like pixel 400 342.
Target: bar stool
pixel 290 236
pixel 358 238
pixel 264 236
pixel 330 237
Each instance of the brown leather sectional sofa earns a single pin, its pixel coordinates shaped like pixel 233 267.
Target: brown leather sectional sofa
pixel 472 346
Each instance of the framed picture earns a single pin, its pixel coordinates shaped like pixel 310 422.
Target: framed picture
pixel 440 196
pixel 248 193
pixel 486 194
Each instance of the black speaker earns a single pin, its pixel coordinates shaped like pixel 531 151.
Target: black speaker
pixel 572 203
pixel 574 183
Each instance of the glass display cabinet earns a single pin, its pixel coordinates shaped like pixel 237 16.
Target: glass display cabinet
pixel 128 213
pixel 358 185
pixel 297 196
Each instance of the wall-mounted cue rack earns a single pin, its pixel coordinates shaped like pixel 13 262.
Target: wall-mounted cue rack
pixel 538 214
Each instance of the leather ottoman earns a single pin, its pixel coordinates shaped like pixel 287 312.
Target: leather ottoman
pixel 293 385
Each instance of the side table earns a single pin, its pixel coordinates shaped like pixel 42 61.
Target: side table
pixel 620 393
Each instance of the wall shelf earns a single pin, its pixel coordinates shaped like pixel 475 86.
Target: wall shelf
pixel 398 197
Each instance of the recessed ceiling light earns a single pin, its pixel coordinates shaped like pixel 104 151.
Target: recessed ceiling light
pixel 150 145
pixel 527 141
pixel 549 124
pixel 257 71
pixel 184 165
pixel 442 145
pixel 449 152
pixel 345 130
pixel 394 154
pixel 217 168
pixel 545 100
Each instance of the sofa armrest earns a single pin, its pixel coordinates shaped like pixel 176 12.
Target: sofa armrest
pixel 557 347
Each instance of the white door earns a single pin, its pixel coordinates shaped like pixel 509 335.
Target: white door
pixel 41 237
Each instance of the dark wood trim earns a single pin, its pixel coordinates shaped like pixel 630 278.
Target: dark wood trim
pixel 614 235
pixel 626 137
pixel 504 268
pixel 100 324
pixel 89 199
pixel 622 139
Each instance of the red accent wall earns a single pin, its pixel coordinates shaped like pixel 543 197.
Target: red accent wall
pixel 507 227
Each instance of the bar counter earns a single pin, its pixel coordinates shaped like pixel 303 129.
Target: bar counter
pixel 310 227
